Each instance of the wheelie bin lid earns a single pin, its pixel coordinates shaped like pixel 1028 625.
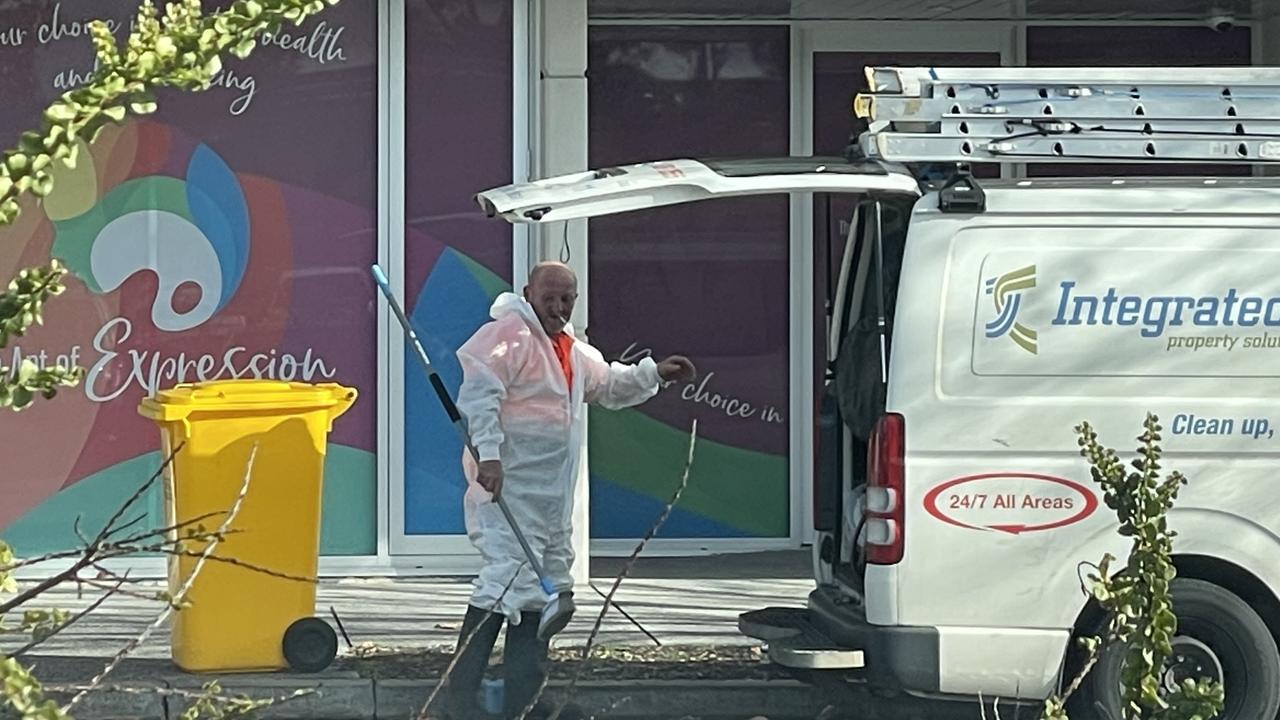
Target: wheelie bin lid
pixel 246 395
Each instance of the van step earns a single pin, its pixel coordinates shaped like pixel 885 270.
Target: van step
pixel 774 623
pixel 794 641
pixel 807 654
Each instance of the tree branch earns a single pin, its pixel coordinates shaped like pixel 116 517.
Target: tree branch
pixel 177 692
pixel 627 615
pixel 617 582
pixel 109 528
pixel 179 596
pixel 87 554
pixel 44 586
pixel 246 566
pixel 71 621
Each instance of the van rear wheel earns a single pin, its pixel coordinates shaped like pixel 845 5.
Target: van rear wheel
pixel 1219 637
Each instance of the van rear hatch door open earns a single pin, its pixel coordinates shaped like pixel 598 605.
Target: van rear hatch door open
pixel 794 639
pixel 671 182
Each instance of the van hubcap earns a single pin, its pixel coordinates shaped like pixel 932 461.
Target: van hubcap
pixel 1190 660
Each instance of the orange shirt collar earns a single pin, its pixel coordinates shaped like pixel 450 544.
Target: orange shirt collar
pixel 562 343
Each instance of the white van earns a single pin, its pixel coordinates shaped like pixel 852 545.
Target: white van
pixel 977 324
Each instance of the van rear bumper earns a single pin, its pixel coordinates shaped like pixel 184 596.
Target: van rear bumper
pixel 829 634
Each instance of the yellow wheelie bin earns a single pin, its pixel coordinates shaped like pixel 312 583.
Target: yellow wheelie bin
pixel 242 619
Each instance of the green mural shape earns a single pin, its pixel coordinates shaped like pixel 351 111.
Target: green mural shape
pixel 348 523
pixel 743 489
pixel 491 284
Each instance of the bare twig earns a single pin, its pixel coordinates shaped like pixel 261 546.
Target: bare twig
pixel 171 546
pixel 247 566
pixel 463 645
pixel 70 621
pixel 124 579
pixel 137 519
pixel 627 615
pixel 85 557
pixel 44 586
pixel 1094 656
pixel 174 692
pixel 179 596
pixel 116 590
pixel 75 527
pixel 137 495
pixel 617 582
pixel 121 548
pixel 165 531
pixel 47 557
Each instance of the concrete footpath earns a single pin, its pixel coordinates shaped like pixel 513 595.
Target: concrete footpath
pixel 402 629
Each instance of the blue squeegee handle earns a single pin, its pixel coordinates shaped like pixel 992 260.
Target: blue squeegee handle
pixel 455 417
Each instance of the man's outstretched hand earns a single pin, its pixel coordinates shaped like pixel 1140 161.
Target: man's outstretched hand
pixel 490 477
pixel 677 367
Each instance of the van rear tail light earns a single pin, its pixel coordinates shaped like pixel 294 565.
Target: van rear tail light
pixel 886 511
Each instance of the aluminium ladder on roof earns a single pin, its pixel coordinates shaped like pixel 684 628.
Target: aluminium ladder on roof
pixel 1072 115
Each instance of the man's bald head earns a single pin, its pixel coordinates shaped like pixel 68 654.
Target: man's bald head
pixel 552 291
pixel 552 269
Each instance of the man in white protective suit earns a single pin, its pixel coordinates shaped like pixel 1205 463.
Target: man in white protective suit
pixel 526 383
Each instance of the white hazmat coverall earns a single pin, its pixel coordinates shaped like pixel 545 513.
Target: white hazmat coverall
pixel 520 411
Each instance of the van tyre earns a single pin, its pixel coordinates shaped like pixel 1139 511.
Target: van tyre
pixel 1217 632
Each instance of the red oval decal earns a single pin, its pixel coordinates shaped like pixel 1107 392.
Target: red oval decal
pixel 1013 503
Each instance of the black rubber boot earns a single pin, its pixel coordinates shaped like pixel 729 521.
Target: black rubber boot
pixel 464 681
pixel 524 663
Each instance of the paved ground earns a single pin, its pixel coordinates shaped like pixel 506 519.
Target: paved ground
pixel 682 602
pixel 678 600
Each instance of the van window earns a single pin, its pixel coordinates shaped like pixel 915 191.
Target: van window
pixel 859 383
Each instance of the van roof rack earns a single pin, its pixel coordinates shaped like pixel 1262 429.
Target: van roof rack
pixel 1071 115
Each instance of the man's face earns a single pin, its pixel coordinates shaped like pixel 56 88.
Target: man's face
pixel 552 295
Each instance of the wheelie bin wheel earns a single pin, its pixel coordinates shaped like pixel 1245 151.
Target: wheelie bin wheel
pixel 310 644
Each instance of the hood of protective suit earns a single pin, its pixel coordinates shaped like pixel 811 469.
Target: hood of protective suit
pixel 509 303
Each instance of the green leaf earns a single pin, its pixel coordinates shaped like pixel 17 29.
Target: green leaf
pixel 147 62
pixel 9 208
pixel 59 112
pixel 22 397
pixel 116 113
pixel 27 370
pixel 31 143
pixel 73 154
pixel 42 186
pixel 243 50
pixel 213 66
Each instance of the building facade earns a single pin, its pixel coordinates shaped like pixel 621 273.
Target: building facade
pixel 230 235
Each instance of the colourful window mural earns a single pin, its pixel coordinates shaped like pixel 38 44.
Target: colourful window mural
pixel 458 139
pixel 708 281
pixel 228 235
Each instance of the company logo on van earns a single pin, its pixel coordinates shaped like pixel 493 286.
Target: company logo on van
pixel 1006 293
